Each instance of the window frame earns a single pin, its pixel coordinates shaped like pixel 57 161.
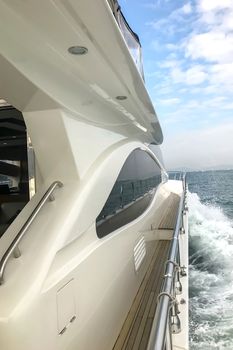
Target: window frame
pixel 147 196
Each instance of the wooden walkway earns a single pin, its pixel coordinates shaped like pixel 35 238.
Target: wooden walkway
pixel 168 221
pixel 135 332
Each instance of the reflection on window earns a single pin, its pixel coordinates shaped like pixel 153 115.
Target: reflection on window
pixel 131 194
pixel 14 179
pixel 132 41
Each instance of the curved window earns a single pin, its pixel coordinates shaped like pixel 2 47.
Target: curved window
pixel 131 194
pixel 131 38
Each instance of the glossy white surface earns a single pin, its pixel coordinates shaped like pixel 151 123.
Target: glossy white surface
pixel 103 274
pixel 81 136
pixel 35 37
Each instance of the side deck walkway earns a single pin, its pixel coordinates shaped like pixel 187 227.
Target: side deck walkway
pixel 168 220
pixel 135 332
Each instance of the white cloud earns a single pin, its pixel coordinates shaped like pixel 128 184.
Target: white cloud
pixel 219 19
pixel 214 46
pixel 213 5
pixel 183 90
pixel 163 90
pixel 212 42
pixel 170 63
pixel 216 101
pixel 212 37
pixel 222 74
pixel 186 9
pixel 200 72
pixel 155 4
pixel 210 89
pixel 193 104
pixel 168 24
pixel 172 47
pixel 193 76
pixel 169 101
pixel 200 148
pixel 228 106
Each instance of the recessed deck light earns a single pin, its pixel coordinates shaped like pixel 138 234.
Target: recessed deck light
pixel 78 50
pixel 121 98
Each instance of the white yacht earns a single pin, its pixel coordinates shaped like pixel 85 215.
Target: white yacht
pixel 93 247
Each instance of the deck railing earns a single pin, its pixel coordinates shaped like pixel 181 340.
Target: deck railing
pixel 176 175
pixel 166 319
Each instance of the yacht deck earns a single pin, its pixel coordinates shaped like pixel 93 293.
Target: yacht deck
pixel 136 329
pixel 168 220
pixel 135 332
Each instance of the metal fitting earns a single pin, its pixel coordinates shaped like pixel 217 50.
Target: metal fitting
pixel 175 320
pixel 182 271
pixel 182 231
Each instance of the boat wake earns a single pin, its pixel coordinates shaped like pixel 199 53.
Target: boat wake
pixel 211 277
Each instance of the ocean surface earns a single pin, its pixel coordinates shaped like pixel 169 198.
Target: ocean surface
pixel 211 259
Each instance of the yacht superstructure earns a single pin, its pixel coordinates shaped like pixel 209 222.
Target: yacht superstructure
pixel 87 211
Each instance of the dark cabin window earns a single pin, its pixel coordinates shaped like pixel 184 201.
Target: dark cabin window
pixel 131 193
pixel 14 178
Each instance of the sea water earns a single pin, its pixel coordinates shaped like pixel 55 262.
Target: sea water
pixel 211 259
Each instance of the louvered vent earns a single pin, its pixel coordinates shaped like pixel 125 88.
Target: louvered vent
pixel 139 253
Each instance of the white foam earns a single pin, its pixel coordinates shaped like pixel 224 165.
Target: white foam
pixel 211 277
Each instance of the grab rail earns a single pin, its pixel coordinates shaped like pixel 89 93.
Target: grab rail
pixel 13 248
pixel 161 327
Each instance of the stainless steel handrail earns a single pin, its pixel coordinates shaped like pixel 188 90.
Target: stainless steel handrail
pixel 176 175
pixel 13 248
pixel 161 320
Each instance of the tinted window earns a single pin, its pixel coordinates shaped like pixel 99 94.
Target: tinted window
pixel 14 179
pixel 131 194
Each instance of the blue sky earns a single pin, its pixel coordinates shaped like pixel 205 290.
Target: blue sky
pixel 188 63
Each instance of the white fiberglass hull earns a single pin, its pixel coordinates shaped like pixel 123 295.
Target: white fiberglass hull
pixel 71 288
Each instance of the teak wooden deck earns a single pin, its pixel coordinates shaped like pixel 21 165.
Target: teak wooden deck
pixel 135 332
pixel 168 220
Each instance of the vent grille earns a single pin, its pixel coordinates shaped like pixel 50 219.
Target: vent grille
pixel 139 253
